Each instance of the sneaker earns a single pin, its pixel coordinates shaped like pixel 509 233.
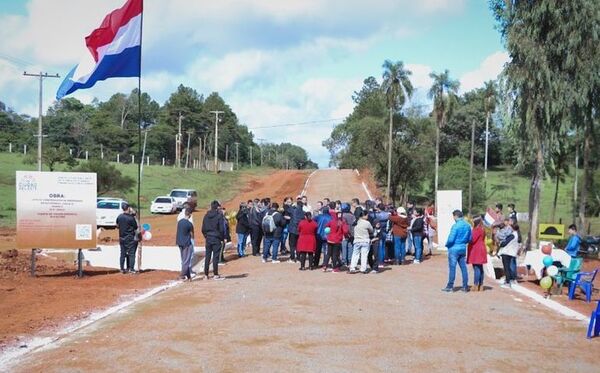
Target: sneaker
pixel 218 278
pixel 466 290
pixel 291 261
pixel 264 260
pixel 204 277
pixel 133 272
pixel 374 272
pixel 301 269
pixel 275 261
pixel 505 286
pixel 417 262
pixel 447 290
pixel 192 275
pixel 124 271
pixel 335 270
pixel 352 271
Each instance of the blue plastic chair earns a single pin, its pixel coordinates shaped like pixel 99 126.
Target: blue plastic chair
pixel 594 327
pixel 585 280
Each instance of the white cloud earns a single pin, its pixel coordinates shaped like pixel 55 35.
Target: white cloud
pixel 489 69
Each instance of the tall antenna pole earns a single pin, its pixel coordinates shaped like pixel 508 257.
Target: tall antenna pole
pixel 40 135
pixel 237 154
pixel 217 112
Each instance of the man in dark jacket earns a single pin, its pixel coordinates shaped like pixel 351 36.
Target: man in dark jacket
pixel 213 229
pixel 127 231
pixel 255 219
pixel 184 237
pixel 297 214
pixel 242 228
pixel 273 224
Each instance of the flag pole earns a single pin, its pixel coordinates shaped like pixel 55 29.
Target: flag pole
pixel 140 160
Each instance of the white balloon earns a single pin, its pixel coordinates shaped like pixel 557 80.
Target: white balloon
pixel 552 271
pixel 147 236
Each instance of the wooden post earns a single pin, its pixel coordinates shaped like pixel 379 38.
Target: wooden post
pixel 32 262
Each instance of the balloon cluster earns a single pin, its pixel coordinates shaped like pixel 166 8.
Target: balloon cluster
pixel 551 269
pixel 146 234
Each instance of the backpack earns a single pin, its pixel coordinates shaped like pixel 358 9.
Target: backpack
pixel 268 223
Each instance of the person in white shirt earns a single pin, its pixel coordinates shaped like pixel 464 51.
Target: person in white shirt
pixel 306 207
pixel 362 242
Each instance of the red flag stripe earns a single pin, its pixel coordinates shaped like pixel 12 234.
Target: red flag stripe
pixel 111 24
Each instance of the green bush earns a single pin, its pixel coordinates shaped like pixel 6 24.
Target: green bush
pixel 454 175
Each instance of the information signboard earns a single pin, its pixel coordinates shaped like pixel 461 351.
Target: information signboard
pixel 56 210
pixel 446 202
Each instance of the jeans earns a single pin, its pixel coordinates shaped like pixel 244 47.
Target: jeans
pixel 418 242
pixel 128 249
pixel 256 238
pixel 333 252
pixel 185 261
pixel 399 249
pixel 361 251
pixel 478 274
pixel 513 267
pixel 241 245
pixel 270 241
pixel 191 258
pixel 321 248
pixel 213 250
pixel 284 236
pixel 457 256
pixel 346 252
pixel 381 251
pixel 293 245
pixel 507 265
pixel 409 243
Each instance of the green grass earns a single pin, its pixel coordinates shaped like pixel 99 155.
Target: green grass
pixel 505 186
pixel 157 180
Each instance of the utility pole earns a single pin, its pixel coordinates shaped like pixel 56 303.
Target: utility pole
pixel 178 142
pixel 187 153
pixel 389 167
pixel 199 152
pixel 40 135
pixel 226 153
pixel 250 156
pixel 216 113
pixel 237 154
pixel 261 141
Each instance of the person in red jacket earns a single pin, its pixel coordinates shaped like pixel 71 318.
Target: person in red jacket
pixel 476 254
pixel 307 241
pixel 338 229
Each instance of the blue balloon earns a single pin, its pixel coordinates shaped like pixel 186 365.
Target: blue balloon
pixel 548 261
pixel 146 226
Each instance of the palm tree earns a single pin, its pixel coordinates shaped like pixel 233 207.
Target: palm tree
pixel 397 88
pixel 443 92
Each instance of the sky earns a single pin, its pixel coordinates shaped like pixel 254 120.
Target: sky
pixel 274 62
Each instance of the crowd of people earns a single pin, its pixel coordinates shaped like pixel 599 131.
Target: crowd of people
pixel 334 236
pixel 338 236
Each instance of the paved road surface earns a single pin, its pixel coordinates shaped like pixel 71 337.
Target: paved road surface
pixel 272 318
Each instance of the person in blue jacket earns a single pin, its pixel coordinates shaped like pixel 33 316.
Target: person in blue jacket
pixel 459 238
pixel 574 241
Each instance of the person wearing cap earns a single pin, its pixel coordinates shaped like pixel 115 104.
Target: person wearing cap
pixel 458 239
pixel 400 232
pixel 128 227
pixel 213 230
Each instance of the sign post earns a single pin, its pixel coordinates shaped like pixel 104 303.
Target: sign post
pixel 56 210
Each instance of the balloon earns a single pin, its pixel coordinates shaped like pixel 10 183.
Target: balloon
pixel 546 282
pixel 547 249
pixel 552 270
pixel 146 226
pixel 548 261
pixel 147 236
pixel 327 230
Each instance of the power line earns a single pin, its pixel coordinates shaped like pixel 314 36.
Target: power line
pixel 16 61
pixel 299 123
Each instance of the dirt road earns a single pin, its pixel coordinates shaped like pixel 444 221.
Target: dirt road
pixel 335 184
pixel 272 317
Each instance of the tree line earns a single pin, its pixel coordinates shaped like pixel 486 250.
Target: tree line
pixel 542 115
pixel 105 129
